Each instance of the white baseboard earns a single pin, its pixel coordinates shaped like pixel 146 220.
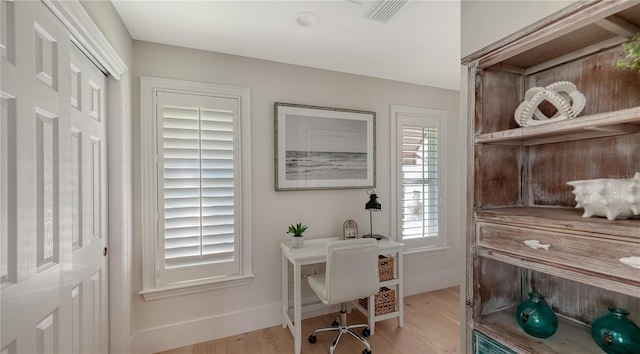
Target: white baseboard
pixel 423 282
pixel 177 335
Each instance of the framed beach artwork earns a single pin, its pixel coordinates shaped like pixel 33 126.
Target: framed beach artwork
pixel 323 148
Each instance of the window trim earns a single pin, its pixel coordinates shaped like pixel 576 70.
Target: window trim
pixel 148 176
pixel 419 246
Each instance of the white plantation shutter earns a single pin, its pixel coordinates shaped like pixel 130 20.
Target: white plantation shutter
pixel 419 178
pixel 419 182
pixel 197 212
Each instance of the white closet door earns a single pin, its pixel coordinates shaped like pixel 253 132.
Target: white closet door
pixel 53 189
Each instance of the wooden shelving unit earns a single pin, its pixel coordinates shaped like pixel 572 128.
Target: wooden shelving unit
pixel 518 177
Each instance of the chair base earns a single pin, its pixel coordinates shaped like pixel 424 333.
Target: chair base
pixel 343 328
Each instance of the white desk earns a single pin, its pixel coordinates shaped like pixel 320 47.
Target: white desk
pixel 315 251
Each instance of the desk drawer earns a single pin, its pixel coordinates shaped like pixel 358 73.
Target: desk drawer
pixel 583 252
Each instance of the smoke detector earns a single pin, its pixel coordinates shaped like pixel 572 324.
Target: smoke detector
pixel 384 10
pixel 307 19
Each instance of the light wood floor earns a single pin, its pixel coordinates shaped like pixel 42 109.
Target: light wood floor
pixel 431 326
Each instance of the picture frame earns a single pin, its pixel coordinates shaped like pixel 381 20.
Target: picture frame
pixel 323 148
pixel 349 230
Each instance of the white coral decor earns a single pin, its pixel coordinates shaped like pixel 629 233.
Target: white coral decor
pixel 613 198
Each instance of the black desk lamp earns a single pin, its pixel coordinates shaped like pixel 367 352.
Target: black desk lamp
pixel 371 206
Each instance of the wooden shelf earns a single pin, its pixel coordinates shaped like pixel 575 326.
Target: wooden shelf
pixel 571 337
pixel 389 283
pixel 626 121
pixel 568 219
pixel 524 233
pixel 365 312
pixel 501 232
pixel 583 276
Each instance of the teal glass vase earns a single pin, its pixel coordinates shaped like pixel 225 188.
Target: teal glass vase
pixel 615 333
pixel 536 317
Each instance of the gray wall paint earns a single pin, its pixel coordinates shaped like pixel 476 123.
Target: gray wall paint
pixel 323 211
pixel 484 22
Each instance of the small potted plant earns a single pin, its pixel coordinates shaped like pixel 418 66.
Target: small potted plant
pixel 632 60
pixel 297 241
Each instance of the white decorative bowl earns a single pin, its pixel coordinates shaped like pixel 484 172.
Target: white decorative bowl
pixel 613 198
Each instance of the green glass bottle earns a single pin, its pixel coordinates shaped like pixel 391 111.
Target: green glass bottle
pixel 615 333
pixel 536 317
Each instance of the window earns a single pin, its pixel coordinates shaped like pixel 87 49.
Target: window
pixel 196 187
pixel 419 177
pixel 419 205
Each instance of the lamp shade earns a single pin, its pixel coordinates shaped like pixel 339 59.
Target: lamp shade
pixel 372 204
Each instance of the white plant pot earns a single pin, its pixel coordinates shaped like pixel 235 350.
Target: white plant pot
pixel 613 198
pixel 297 242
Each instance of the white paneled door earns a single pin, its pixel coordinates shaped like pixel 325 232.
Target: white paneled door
pixel 53 188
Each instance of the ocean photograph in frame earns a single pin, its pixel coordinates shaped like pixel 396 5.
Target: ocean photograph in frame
pixel 323 148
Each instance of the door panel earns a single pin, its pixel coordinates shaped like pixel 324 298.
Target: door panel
pixel 52 188
pixel 89 168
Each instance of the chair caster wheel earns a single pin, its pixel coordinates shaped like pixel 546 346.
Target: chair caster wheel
pixel 365 351
pixel 312 339
pixel 366 332
pixel 335 323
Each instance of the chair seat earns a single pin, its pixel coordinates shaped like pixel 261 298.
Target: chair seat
pixel 319 285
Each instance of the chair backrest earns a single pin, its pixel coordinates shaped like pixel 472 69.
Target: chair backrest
pixel 352 270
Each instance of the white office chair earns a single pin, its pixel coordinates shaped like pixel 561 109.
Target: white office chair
pixel 351 273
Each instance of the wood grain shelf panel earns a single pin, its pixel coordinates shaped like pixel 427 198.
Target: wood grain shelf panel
pixel 570 230
pixel 571 337
pixel 569 220
pixel 583 276
pixel 626 121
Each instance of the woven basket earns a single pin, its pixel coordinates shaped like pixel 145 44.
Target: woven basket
pixel 385 301
pixel 385 268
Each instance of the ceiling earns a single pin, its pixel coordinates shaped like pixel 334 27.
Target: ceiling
pixel 420 44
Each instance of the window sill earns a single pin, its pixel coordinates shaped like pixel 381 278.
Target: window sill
pixel 193 288
pixel 425 251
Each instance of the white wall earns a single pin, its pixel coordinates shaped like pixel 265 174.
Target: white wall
pixel 484 22
pixel 174 322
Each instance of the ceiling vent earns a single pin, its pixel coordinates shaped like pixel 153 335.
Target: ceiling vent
pixel 384 10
